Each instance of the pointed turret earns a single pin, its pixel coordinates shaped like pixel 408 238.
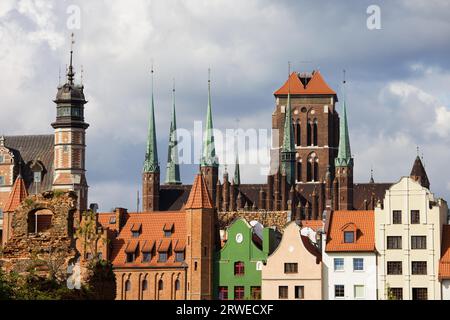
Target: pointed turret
pixel 344 157
pixel 209 164
pixel 173 167
pixel 199 196
pixel 151 171
pixel 419 174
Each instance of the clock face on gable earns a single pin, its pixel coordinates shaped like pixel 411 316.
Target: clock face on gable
pixel 239 238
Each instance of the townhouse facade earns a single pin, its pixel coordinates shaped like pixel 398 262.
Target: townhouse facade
pixel 409 232
pixel 294 269
pixel 349 256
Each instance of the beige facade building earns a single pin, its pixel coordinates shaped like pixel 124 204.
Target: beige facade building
pixel 408 232
pixel 294 269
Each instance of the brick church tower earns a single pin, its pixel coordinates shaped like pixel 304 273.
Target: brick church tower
pixel 200 228
pixel 70 139
pixel 151 172
pixel 209 163
pixel 314 124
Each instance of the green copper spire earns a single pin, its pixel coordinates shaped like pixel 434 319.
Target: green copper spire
pixel 173 168
pixel 209 158
pixel 151 154
pixel 237 172
pixel 288 147
pixel 344 157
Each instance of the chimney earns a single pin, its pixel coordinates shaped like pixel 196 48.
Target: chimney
pixel 120 218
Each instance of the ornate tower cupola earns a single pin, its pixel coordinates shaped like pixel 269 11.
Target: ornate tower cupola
pixel 151 172
pixel 288 148
pixel 209 164
pixel 344 164
pixel 173 167
pixel 70 133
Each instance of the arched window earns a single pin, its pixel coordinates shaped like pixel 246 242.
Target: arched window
pixel 177 284
pixel 298 133
pixel 239 268
pixel 314 134
pixel 144 285
pixel 299 170
pixel 128 285
pixel 308 133
pixel 312 170
pixel 160 284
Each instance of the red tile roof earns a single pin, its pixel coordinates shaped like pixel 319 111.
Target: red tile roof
pixel 360 221
pixel 444 263
pixel 199 196
pixel 313 224
pixel 17 195
pixel 316 85
pixel 151 237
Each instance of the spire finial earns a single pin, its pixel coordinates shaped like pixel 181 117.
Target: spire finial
pixel 71 74
pixel 151 156
pixel 2 141
pixel 59 76
pixel 418 150
pixel 289 77
pixel 82 73
pixel 371 175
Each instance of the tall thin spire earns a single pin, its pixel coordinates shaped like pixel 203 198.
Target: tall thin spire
pixel 173 168
pixel 288 147
pixel 344 157
pixel 237 172
pixel 209 150
pixel 151 154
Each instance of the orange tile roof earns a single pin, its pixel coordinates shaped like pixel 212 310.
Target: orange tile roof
pixel 444 262
pixel 152 234
pixel 316 85
pixel 313 224
pixel 17 195
pixel 361 221
pixel 199 196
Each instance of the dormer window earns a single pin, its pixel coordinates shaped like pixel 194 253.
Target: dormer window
pixel 131 250
pixel 349 237
pixel 168 230
pixel 136 230
pixel 112 220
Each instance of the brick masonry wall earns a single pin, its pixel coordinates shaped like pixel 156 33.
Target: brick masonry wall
pixel 268 218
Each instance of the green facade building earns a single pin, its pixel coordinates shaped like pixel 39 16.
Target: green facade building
pixel 237 266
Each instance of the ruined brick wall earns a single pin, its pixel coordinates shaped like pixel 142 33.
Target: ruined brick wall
pixel 45 251
pixel 268 218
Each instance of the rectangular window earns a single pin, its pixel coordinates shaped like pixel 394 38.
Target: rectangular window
pixel 395 294
pixel 415 216
pixel 358 264
pixel 299 292
pixel 397 217
pixel 146 257
pixel 394 242
pixel 112 220
pixel 130 257
pixel 338 264
pixel 339 291
pixel 419 267
pixel 2 180
pixel 239 293
pixel 2 159
pixel 283 292
pixel 1 214
pixel 358 291
pixel 135 234
pixel 420 294
pixel 162 257
pixel 255 292
pixel 394 267
pixel 239 268
pixel 349 237
pixel 37 176
pixel 291 268
pixel 167 233
pixel 179 256
pixel 223 293
pixel 418 242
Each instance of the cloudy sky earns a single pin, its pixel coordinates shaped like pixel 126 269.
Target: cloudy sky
pixel 398 76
